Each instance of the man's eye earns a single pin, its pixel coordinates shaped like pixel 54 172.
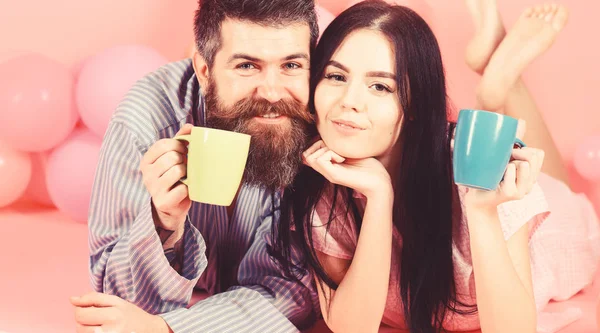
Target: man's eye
pixel 292 65
pixel 246 65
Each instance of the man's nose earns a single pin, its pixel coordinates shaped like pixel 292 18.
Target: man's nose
pixel 271 88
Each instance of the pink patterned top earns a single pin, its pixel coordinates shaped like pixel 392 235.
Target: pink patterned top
pixel 341 239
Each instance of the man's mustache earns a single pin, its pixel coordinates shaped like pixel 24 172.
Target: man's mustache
pixel 251 107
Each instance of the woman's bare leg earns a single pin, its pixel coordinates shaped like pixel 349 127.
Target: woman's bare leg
pixel 501 88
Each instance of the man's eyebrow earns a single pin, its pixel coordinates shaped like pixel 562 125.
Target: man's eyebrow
pixel 248 57
pixel 243 56
pixel 297 56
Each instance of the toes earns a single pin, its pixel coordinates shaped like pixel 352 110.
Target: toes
pixel 541 13
pixel 549 12
pixel 528 12
pixel 538 11
pixel 547 7
pixel 560 18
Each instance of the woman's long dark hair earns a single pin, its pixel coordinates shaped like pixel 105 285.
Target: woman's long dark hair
pixel 426 205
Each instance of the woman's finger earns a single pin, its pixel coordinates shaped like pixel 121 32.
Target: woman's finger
pixel 313 148
pixel 508 185
pixel 523 154
pixel 524 181
pixel 333 173
pixel 336 158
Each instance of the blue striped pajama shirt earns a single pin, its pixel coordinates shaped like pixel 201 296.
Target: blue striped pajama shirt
pixel 226 258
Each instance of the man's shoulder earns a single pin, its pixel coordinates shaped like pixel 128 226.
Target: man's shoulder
pixel 159 100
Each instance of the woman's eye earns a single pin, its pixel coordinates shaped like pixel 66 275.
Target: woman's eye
pixel 381 88
pixel 335 77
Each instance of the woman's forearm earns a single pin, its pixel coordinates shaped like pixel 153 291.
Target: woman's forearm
pixel 359 302
pixel 504 301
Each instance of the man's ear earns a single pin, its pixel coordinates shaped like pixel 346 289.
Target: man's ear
pixel 201 69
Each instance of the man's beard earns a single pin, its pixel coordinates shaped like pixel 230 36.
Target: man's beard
pixel 275 149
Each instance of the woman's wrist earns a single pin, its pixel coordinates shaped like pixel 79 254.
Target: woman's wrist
pixel 382 196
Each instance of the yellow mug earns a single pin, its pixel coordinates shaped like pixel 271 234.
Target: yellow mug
pixel 215 165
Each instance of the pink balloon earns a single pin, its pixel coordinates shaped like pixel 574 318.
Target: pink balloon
pixel 70 173
pixel 8 55
pixel 587 158
pixel 37 190
pixel 105 79
pixel 76 69
pixel 594 196
pixel 324 17
pixel 36 99
pixel 15 172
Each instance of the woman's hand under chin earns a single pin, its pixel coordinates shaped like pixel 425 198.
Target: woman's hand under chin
pixel 520 176
pixel 367 176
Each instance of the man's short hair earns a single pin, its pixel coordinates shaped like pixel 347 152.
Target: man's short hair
pixel 272 13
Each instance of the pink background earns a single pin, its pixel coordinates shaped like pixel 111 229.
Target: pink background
pixel 34 296
pixel 564 81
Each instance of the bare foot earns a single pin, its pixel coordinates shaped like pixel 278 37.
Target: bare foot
pixel 489 32
pixel 532 35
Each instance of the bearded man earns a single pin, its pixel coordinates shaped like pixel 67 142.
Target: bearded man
pixel 150 245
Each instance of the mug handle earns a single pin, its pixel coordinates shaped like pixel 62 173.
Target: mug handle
pixel 520 144
pixel 187 139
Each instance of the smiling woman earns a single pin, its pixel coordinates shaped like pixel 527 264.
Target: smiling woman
pixel 390 237
pixel 351 86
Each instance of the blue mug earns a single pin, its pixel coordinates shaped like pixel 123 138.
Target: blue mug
pixel 483 144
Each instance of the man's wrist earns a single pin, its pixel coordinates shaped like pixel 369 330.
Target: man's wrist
pixel 168 236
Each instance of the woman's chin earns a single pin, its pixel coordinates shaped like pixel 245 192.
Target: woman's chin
pixel 348 151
